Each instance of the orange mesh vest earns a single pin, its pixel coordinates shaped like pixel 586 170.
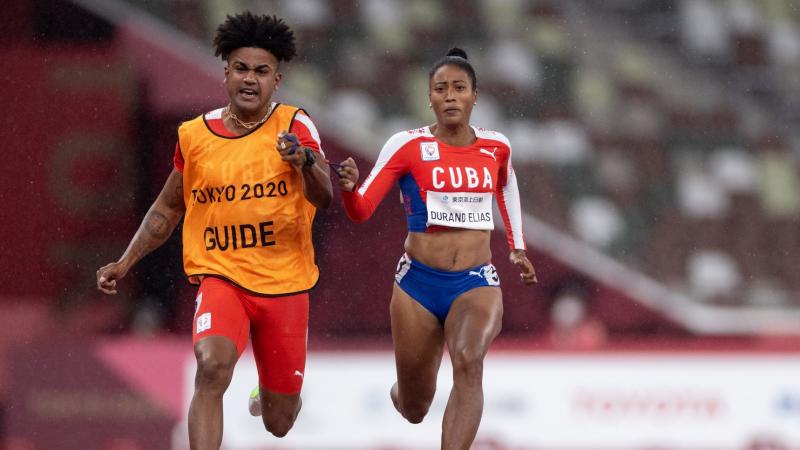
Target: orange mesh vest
pixel 247 219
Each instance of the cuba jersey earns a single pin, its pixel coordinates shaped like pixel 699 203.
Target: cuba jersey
pixel 444 186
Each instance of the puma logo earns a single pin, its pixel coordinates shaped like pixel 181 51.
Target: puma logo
pixel 298 373
pixel 487 152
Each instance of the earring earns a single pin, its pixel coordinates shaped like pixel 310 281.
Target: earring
pixel 430 105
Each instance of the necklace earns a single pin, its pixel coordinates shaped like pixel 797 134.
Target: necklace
pixel 242 123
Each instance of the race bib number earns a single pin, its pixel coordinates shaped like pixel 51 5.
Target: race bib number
pixel 471 210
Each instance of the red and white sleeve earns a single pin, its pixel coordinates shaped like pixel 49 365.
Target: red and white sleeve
pixel 391 165
pixel 508 202
pixel 306 132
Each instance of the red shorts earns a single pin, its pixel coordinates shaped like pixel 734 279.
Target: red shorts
pixel 278 325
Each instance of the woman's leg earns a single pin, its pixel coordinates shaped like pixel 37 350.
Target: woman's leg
pixel 472 324
pixel 418 344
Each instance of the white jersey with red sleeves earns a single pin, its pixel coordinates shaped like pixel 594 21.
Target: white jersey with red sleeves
pixel 443 185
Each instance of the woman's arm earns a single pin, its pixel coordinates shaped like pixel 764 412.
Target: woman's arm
pixel 360 201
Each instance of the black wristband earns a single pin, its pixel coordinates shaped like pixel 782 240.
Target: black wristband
pixel 311 159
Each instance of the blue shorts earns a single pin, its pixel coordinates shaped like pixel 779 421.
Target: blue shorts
pixel 436 289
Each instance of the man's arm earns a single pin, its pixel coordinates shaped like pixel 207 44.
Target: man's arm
pixel 157 226
pixel 317 186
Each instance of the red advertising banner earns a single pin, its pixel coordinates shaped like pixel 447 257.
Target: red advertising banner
pixel 110 395
pixel 68 170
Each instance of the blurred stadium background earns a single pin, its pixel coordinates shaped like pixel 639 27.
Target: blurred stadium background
pixel 657 148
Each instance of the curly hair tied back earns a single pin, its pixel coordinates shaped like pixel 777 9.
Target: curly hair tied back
pixel 455 57
pixel 249 30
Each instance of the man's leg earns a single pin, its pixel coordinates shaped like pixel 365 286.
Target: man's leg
pixel 279 411
pixel 216 357
pixel 279 330
pixel 220 333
